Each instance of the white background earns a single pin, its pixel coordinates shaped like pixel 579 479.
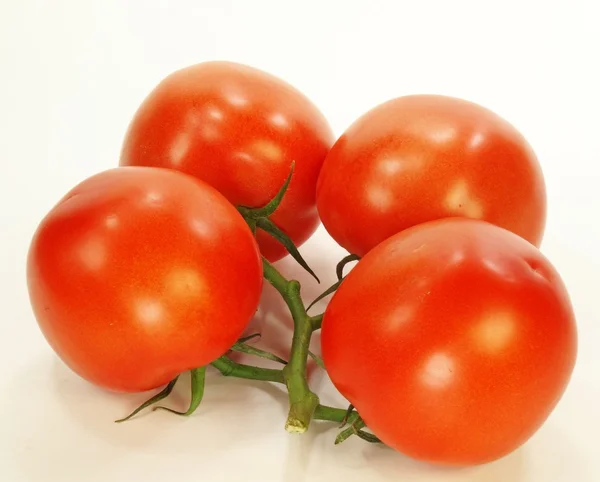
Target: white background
pixel 73 72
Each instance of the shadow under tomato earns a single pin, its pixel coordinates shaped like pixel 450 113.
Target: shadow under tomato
pixel 68 430
pixel 377 463
pixel 387 461
pixel 221 394
pixel 66 433
pixel 305 451
pixel 313 456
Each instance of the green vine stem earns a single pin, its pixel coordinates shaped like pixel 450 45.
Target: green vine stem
pixel 338 415
pixel 316 321
pixel 229 368
pixel 303 402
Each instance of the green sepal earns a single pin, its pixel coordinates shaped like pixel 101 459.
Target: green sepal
pixel 198 377
pixel 271 228
pixel 164 393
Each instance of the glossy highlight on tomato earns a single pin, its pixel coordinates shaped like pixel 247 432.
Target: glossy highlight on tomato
pixel 419 158
pixel 139 274
pixel 454 340
pixel 238 129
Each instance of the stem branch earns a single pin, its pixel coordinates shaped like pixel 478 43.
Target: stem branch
pixel 229 368
pixel 331 414
pixel 303 402
pixel 316 321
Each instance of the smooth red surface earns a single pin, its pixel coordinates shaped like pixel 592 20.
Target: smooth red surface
pixel 239 129
pixel 454 340
pixel 139 274
pixel 418 158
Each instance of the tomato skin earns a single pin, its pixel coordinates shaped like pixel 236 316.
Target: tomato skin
pixel 139 274
pixel 238 129
pixel 418 158
pixel 454 340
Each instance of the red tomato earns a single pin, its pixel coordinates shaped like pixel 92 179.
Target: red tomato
pixel 238 129
pixel 454 340
pixel 423 157
pixel 139 274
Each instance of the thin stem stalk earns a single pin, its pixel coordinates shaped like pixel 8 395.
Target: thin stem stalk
pixel 229 368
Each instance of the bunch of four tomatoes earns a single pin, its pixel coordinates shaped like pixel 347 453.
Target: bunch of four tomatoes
pixel 453 337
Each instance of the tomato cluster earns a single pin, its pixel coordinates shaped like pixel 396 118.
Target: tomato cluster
pixel 453 337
